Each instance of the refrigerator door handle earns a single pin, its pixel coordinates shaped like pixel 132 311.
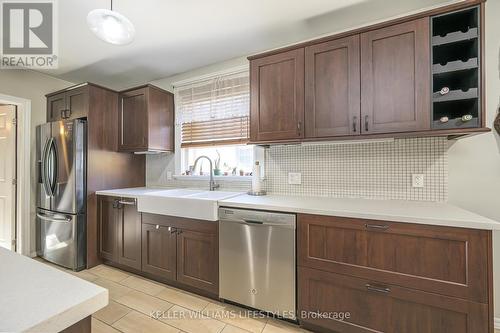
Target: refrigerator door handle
pixel 44 168
pixel 49 166
pixel 52 219
pixel 55 163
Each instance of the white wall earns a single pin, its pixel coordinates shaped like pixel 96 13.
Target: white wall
pixel 33 86
pixel 474 163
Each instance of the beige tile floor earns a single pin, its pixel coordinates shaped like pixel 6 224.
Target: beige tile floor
pixel 134 298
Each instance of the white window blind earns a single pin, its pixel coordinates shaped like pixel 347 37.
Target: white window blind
pixel 215 111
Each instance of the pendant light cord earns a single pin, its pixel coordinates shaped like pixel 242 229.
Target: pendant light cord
pixel 111 5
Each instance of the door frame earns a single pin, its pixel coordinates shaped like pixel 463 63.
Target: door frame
pixel 23 189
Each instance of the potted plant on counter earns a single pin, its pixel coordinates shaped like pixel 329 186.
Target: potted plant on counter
pixel 217 165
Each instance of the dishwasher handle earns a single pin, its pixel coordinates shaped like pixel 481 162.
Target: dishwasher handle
pixel 257 218
pixel 253 223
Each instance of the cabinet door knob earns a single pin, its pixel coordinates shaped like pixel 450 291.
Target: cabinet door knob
pixel 299 127
pixel 366 123
pixel 354 125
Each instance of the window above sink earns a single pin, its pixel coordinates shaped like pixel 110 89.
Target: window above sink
pixel 213 120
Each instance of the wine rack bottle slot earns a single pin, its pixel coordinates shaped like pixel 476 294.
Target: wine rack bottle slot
pixel 456 70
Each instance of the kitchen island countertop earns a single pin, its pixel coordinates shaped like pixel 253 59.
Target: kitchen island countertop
pixel 38 298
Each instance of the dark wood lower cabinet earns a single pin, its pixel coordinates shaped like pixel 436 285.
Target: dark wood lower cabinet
pixel 119 231
pixel 159 251
pixel 393 277
pixel 83 326
pixel 108 227
pixel 129 234
pixel 346 304
pixel 441 260
pixel 198 260
pixel 184 252
pixel 354 275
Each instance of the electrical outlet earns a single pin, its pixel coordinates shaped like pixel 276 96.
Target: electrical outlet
pixel 417 180
pixel 294 178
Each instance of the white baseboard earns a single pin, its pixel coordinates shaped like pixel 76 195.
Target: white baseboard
pixel 497 323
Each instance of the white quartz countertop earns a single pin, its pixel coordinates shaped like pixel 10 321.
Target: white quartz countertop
pixel 421 212
pixel 132 192
pixel 35 297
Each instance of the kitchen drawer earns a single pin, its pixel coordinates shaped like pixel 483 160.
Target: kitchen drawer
pixel 374 307
pixel 209 227
pixel 443 260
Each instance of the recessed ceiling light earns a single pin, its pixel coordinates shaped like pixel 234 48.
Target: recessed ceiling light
pixel 110 26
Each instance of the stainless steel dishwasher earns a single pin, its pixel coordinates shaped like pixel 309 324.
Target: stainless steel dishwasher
pixel 257 260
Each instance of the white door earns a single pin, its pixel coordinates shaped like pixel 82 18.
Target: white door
pixel 7 176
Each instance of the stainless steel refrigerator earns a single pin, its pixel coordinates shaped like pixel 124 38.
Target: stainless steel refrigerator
pixel 61 155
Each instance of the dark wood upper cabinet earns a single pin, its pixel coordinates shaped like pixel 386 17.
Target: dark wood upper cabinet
pixel 277 97
pixel 108 216
pixel 159 251
pixel 133 129
pixel 77 102
pixel 70 104
pixel 129 234
pixel 332 96
pixel 146 120
pixel 395 78
pixel 376 81
pixel 56 105
pixel 198 260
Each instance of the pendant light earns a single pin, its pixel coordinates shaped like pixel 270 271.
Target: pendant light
pixel 110 26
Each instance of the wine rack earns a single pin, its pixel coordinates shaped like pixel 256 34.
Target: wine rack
pixel 456 63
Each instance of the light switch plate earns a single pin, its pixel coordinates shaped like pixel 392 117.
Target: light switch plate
pixel 294 178
pixel 417 180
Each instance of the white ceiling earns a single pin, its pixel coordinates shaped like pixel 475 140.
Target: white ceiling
pixel 174 36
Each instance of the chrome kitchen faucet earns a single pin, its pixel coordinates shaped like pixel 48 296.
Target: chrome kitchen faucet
pixel 212 185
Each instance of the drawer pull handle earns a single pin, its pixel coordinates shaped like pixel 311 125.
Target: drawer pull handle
pixel 378 289
pixel 123 202
pixel 377 226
